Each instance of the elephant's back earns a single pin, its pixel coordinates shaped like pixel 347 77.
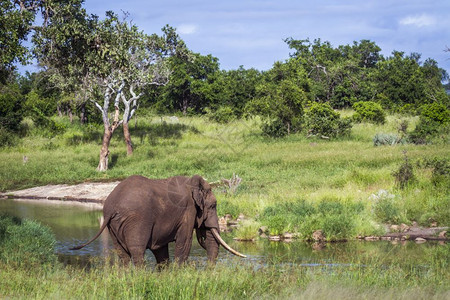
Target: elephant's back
pixel 134 193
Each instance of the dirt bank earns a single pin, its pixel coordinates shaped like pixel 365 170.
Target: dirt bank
pixel 89 192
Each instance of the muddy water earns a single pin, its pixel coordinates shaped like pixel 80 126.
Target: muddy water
pixel 75 224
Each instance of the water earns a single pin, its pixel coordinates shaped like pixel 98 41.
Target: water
pixel 76 224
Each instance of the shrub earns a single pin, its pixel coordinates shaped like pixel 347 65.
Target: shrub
pixel 434 119
pixel 381 139
pixel 337 226
pixel 385 208
pixel 7 138
pixel 223 114
pixel 436 112
pixel 274 128
pixel 11 113
pixel 405 173
pixel 25 243
pixel 369 111
pixel 440 169
pixel 322 120
pixel 226 207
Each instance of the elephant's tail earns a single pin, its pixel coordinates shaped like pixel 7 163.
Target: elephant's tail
pixel 105 222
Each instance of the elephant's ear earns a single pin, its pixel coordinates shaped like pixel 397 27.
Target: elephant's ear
pixel 198 186
pixel 197 183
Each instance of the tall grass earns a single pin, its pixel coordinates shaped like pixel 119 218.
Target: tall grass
pixel 368 278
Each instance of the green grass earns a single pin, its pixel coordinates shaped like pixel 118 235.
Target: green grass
pixel 367 278
pixel 273 171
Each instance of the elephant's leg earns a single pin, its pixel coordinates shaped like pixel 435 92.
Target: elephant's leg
pixel 183 245
pixel 123 254
pixel 137 254
pixel 162 255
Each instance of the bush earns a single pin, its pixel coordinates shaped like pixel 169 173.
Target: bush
pixel 223 115
pixel 434 119
pixel 275 128
pixel 405 173
pixel 337 226
pixel 334 218
pixel 369 111
pixel 381 139
pixel 322 120
pixel 25 243
pixel 10 108
pixel 436 112
pixel 385 208
pixel 7 138
pixel 440 169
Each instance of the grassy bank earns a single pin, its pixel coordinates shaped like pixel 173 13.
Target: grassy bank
pixel 342 178
pixel 363 279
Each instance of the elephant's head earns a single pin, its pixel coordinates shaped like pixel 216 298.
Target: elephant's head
pixel 207 222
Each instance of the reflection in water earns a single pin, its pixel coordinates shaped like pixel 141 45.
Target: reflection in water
pixel 74 225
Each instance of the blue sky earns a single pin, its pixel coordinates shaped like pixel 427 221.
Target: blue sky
pixel 251 32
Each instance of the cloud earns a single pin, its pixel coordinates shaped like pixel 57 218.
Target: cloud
pixel 418 20
pixel 187 29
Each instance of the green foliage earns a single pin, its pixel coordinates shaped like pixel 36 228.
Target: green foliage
pixel 11 102
pixel 434 120
pixel 440 169
pixel 7 138
pixel 404 176
pixel 15 24
pixel 274 128
pixel 369 111
pixel 322 120
pixel 436 112
pixel 223 115
pixel 280 99
pixel 335 219
pixel 382 139
pixel 26 244
pixel 385 207
pixel 227 207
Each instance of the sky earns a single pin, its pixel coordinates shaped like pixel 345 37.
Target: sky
pixel 251 33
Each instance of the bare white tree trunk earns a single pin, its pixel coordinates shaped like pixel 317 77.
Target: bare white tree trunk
pixel 108 127
pixel 129 110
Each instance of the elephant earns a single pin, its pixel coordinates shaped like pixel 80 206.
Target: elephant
pixel 143 213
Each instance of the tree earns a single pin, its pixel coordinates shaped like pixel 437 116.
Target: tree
pixel 281 97
pixel 109 59
pixel 15 25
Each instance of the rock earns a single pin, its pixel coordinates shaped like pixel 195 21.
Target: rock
pixel 394 228
pixel 240 218
pixel 318 246
pixel 404 227
pixel 414 224
pixel 420 240
pixel 222 224
pixel 371 238
pixel 274 238
pixel 434 224
pixel 443 234
pixel 288 236
pixel 385 238
pixel 318 236
pixel 262 230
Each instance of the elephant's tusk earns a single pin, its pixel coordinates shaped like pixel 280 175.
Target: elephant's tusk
pixel 222 242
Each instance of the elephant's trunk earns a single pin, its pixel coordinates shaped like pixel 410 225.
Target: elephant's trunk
pixel 225 245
